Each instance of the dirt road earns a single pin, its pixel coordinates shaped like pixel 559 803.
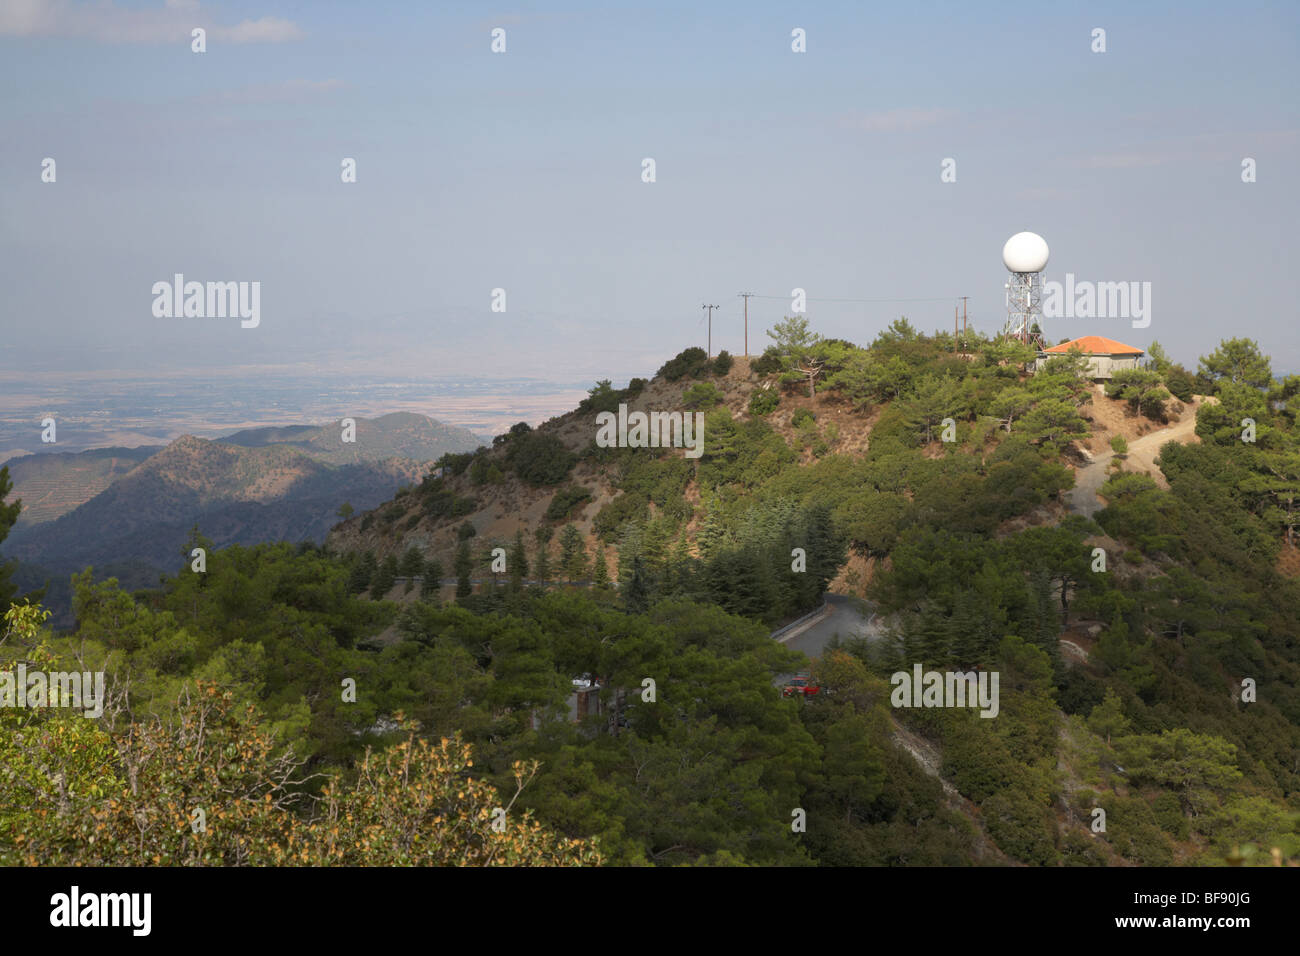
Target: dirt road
pixel 1142 452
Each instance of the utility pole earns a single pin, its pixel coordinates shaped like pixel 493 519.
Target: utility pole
pixel 963 319
pixel 745 296
pixel 710 308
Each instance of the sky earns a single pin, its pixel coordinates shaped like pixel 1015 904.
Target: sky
pixel 523 171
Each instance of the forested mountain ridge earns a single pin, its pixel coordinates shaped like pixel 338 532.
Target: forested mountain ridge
pixel 51 483
pixel 236 495
pixel 1149 711
pixel 260 485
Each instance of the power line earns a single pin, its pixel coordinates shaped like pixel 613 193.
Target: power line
pixel 938 298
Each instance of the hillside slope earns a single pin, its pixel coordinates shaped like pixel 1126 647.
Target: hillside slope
pixel 51 484
pixel 235 495
pixel 814 427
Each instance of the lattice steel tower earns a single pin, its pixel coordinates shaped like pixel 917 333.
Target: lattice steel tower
pixel 1025 256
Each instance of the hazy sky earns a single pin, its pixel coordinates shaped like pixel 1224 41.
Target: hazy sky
pixel 522 171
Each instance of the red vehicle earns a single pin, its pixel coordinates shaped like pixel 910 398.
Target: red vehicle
pixel 800 685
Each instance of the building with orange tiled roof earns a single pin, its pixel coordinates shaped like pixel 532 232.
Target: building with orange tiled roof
pixel 1105 356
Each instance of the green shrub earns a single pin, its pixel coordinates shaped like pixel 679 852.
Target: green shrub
pixel 1133 831
pixel 382 581
pixel 744 453
pixel 516 430
pixel 1181 383
pixel 764 401
pixel 441 502
pixel 478 471
pixel 722 364
pixel 689 363
pixel 454 463
pixel 1119 444
pixel 363 569
pixel 802 415
pixel 701 395
pixel 539 459
pixel 602 397
pixel 661 480
pixel 565 500
pixel 1021 829
pixel 767 363
pixel 626 507
pixel 1168 812
pixel 977 761
pixel 1081 849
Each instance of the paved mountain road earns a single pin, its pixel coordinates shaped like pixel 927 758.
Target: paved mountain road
pixel 844 617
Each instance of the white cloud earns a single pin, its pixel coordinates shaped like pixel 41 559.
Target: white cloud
pixel 105 22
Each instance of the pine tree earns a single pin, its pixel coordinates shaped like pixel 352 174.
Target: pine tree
pixel 383 580
pixel 890 659
pixel 964 633
pixel 677 567
pixel 411 566
pixel 363 570
pixel 464 565
pixel 1107 718
pixel 629 549
pixel 542 563
pixel 741 582
pixel 827 548
pixel 1045 621
pixel 571 553
pixel 518 564
pixel 600 569
pixel 636 594
pixel 654 545
pixel 711 535
pixel 432 579
pixel 910 644
pixel 932 634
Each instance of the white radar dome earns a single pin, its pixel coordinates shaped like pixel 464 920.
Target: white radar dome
pixel 1025 252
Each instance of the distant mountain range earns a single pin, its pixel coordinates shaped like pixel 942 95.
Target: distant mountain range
pixel 131 509
pixel 399 435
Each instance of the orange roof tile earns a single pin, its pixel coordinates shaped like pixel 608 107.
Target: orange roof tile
pixel 1096 345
